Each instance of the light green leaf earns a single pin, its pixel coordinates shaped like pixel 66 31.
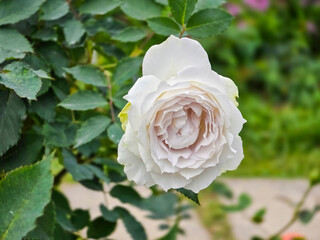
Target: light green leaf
pixel 163 2
pixel 14 11
pixel 7 54
pixel 59 134
pixel 88 74
pixel 141 9
pixel 100 228
pixel 12 111
pixel 24 203
pixel 54 9
pixel 24 153
pixel 99 6
pixel 73 31
pixel 130 34
pixel 182 9
pixel 91 129
pixel 189 194
pixel 126 69
pixel 45 225
pixel 134 228
pixel 208 22
pixel 84 100
pixel 244 201
pixel 12 40
pixel 222 189
pixel 205 4
pixel 22 79
pixel 115 133
pixel 164 26
pixel 78 171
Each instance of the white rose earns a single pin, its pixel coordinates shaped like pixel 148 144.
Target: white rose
pixel 181 122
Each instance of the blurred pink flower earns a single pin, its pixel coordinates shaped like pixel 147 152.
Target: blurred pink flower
pixel 242 25
pixel 311 27
pixel 233 9
pixel 260 5
pixel 292 236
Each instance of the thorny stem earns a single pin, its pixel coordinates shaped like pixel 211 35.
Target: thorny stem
pixel 183 30
pixel 113 117
pixel 295 214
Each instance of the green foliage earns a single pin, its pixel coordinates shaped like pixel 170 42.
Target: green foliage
pixel 126 69
pixel 73 31
pixel 163 26
pixel 258 217
pixel 244 201
pixel 182 9
pixel 88 74
pixel 141 9
pixel 305 216
pixel 20 198
pixel 54 9
pixel 130 34
pixel 222 189
pixel 99 6
pixel 189 194
pixel 100 227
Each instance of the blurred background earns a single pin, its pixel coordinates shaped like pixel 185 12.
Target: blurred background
pixel 272 52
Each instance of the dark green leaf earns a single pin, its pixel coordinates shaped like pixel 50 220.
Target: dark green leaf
pixel 222 189
pixel 12 111
pixel 182 9
pixel 46 34
pixel 99 6
pixel 20 198
pixel 209 22
pixel 99 173
pixel 134 228
pixel 258 217
pixel 205 4
pixel 88 74
pixel 109 215
pixel 14 42
pixel 44 225
pixel 161 206
pixel 93 184
pixel 83 100
pixel 22 79
pixel 172 234
pixel 45 107
pixel 126 69
pixel 91 129
pixel 80 218
pixel 78 171
pixel 89 148
pixel 305 216
pixel 163 26
pixel 126 194
pixel 130 34
pixel 54 9
pixel 73 31
pixel 59 134
pixel 141 9
pixel 61 202
pixel 189 194
pixel 100 228
pixel 24 153
pixel 115 133
pixel 14 11
pixel 60 233
pixel 244 201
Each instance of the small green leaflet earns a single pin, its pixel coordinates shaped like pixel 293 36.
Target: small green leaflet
pixel 141 9
pixel 182 9
pixel 88 74
pixel 126 69
pixel 54 9
pixel 99 6
pixel 130 34
pixel 73 31
pixel 163 26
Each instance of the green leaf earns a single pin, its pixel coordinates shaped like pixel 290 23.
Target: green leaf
pixel 99 6
pixel 222 189
pixel 93 184
pixel 45 107
pixel 88 74
pixel 314 177
pixel 126 194
pixel 109 215
pixel 189 194
pixel 100 228
pixel 24 153
pixel 73 31
pixel 7 54
pixel 130 34
pixel 83 100
pixel 89 148
pixel 161 206
pixel 163 26
pixel 91 129
pixel 209 22
pixel 46 34
pixel 172 234
pixel 141 9
pixel 258 217
pixel 80 218
pixel 182 9
pixel 78 171
pixel 22 79
pixel 244 201
pixel 134 228
pixel 60 233
pixel 59 134
pixel 126 69
pixel 44 225
pixel 99 173
pixel 24 203
pixel 54 9
pixel 115 133
pixel 13 41
pixel 14 11
pixel 305 216
pixel 163 2
pixel 205 4
pixel 12 111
